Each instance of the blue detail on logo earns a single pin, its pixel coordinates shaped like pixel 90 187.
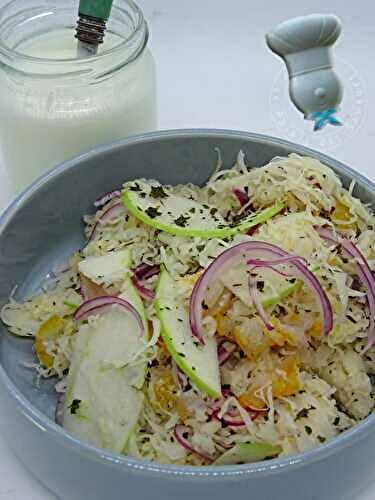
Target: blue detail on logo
pixel 321 118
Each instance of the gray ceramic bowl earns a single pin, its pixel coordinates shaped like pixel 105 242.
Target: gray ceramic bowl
pixel 42 227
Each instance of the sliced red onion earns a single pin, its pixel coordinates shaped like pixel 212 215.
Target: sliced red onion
pixel 274 262
pixel 253 230
pixel 241 196
pixel 105 198
pixel 350 250
pixel 224 353
pixel 232 422
pixel 100 305
pixel 227 392
pixel 179 375
pixel 231 418
pixel 179 432
pixel 242 253
pixel 258 304
pixel 108 215
pixel 274 269
pixel 145 271
pixel 59 412
pixel 144 292
pixel 215 407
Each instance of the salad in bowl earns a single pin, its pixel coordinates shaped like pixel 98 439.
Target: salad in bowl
pixel 213 325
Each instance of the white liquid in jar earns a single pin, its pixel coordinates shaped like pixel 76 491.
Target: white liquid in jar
pixel 46 121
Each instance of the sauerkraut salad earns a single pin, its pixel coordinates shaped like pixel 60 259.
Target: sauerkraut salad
pixel 222 324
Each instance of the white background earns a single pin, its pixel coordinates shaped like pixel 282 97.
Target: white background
pixel 214 70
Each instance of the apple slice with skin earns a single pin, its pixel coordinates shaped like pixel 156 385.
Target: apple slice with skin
pixel 113 266
pixel 105 269
pixel 103 403
pixel 246 453
pixel 199 362
pixel 157 207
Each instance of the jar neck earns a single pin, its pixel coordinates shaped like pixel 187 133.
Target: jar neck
pixel 20 24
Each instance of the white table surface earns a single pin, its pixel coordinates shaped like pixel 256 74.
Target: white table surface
pixel 214 71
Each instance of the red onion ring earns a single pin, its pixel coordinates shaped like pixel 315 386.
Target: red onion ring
pixel 274 269
pixel 224 353
pixel 253 230
pixel 101 304
pixel 178 432
pixel 242 252
pixel 274 262
pixel 144 292
pixel 105 198
pixel 231 419
pixel 364 272
pixel 145 271
pixel 241 196
pixel 108 215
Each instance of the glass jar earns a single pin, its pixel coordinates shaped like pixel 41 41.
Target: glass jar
pixel 55 105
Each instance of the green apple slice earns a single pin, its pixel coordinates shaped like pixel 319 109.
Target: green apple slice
pixel 106 268
pixel 246 453
pixel 109 268
pixel 199 362
pixel 157 207
pixel 102 403
pixel 103 409
pixel 130 293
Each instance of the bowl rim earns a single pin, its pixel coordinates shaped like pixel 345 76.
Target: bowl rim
pixel 258 469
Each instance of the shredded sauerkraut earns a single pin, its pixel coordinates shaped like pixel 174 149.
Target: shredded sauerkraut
pixel 290 387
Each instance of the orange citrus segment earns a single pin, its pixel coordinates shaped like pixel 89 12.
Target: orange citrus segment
pixel 48 331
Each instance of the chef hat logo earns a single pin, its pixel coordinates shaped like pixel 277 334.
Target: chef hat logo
pixel 313 83
pixel 287 122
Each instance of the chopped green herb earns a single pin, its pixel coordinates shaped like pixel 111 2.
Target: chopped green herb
pixel 308 430
pixel 152 212
pixel 135 187
pixel 74 407
pixel 182 221
pixel 158 192
pixel 321 439
pixel 351 319
pixel 304 413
